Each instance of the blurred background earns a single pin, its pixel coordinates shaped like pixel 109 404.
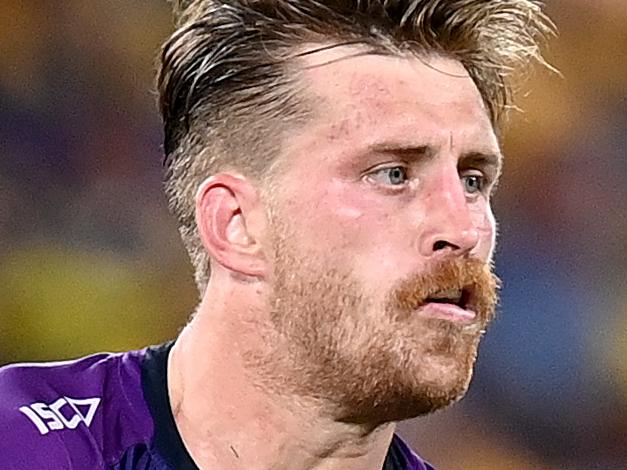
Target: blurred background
pixel 90 259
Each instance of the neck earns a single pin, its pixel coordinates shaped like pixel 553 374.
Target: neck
pixel 228 421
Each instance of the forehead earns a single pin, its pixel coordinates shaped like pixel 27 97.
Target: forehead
pixel 370 97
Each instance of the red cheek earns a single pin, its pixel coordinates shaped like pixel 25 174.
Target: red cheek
pixel 345 202
pixel 348 217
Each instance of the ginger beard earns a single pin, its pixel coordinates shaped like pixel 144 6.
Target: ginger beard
pixel 369 360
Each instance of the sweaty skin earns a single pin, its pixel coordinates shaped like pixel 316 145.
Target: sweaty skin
pixel 350 226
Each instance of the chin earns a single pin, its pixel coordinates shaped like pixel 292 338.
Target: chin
pixel 442 371
pixel 438 382
pixel 444 390
pixel 446 374
pixel 436 394
pixel 404 395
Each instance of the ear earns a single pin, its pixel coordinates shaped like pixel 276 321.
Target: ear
pixel 231 221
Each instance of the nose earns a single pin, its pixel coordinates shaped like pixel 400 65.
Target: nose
pixel 448 224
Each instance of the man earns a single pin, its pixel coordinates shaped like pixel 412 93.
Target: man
pixel 331 165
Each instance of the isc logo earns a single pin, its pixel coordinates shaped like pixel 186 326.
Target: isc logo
pixel 65 413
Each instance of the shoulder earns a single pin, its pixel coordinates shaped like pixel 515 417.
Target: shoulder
pixel 64 415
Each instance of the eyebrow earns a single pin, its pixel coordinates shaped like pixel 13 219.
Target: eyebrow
pixel 494 160
pixel 410 151
pixel 415 152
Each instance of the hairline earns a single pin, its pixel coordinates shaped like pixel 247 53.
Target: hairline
pixel 304 54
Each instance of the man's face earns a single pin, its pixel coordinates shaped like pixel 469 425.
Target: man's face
pixel 382 236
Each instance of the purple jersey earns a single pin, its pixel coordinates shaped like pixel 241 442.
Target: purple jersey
pixel 106 411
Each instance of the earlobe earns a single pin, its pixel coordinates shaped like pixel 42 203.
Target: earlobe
pixel 225 204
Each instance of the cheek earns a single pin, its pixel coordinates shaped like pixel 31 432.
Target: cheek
pixel 486 226
pixel 353 225
pixel 377 237
pixel 331 209
pixel 327 221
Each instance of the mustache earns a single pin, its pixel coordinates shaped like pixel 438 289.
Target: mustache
pixel 473 277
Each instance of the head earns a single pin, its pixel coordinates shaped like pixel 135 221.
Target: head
pixel 342 155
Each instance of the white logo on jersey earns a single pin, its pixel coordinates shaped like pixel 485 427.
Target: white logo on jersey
pixel 52 418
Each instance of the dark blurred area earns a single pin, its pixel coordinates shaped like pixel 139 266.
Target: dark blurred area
pixel 90 258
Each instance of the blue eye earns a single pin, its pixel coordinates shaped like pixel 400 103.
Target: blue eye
pixel 473 183
pixel 393 176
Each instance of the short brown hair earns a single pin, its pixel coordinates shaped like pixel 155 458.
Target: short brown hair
pixel 227 83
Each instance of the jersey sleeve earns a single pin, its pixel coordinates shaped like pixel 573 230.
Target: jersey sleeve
pixel 43 424
pixel 26 442
pixel 81 414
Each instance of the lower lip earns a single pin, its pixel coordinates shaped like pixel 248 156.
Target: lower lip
pixel 449 312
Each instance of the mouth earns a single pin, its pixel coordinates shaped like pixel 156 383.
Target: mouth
pixel 450 304
pixel 457 297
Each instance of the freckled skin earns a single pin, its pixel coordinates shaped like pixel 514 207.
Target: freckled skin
pixel 346 244
pixel 370 98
